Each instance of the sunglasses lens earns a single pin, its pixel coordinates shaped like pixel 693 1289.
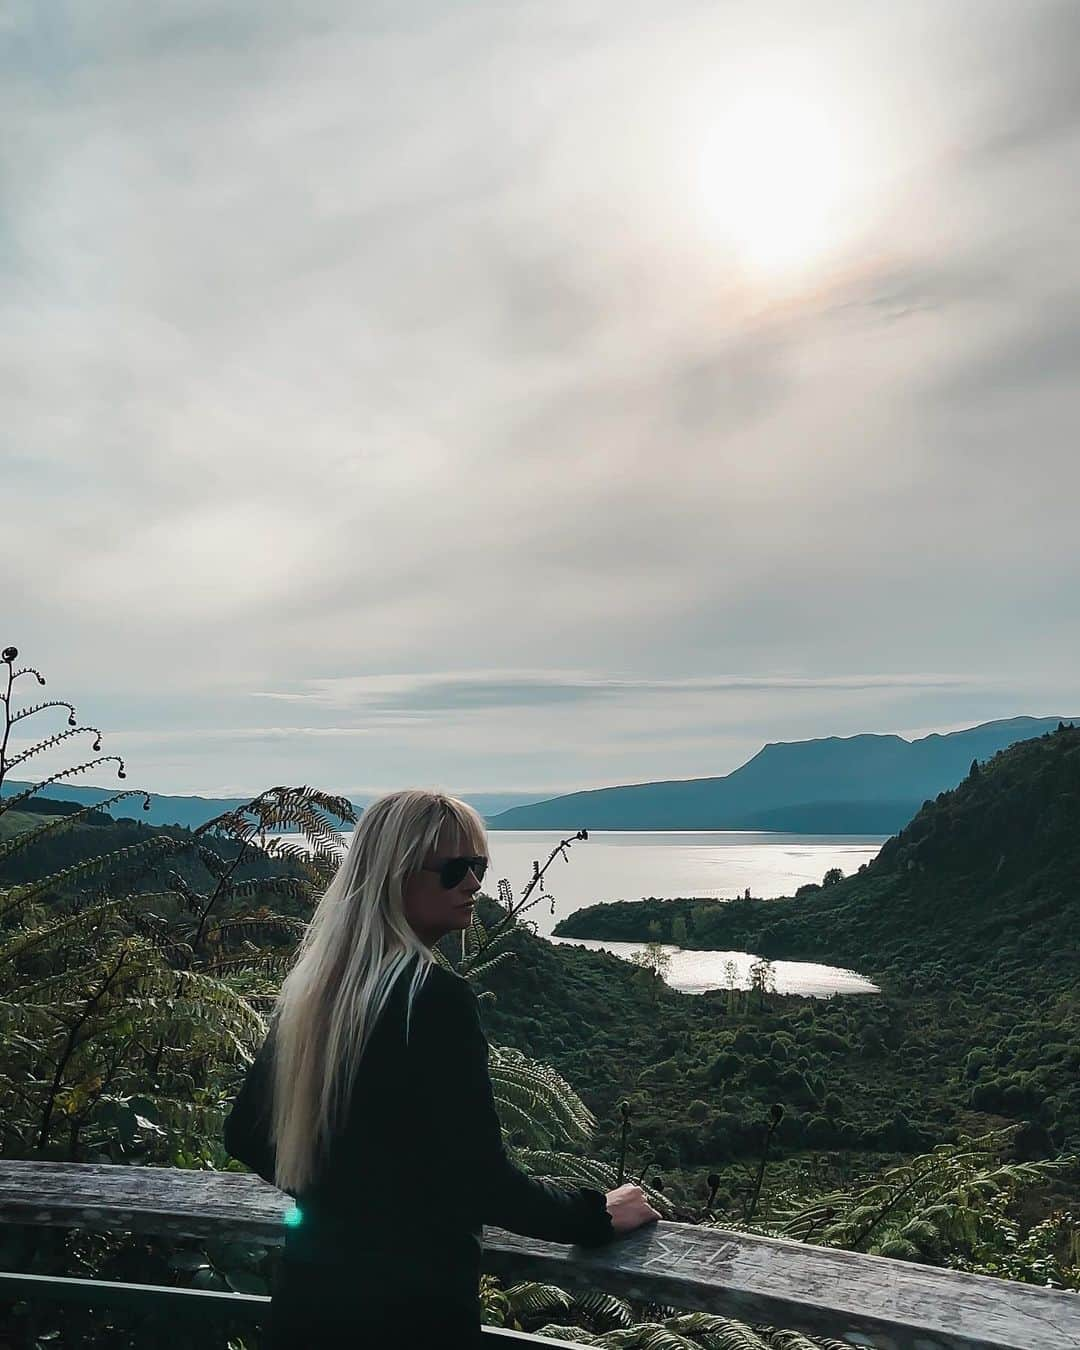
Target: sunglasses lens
pixel 453 871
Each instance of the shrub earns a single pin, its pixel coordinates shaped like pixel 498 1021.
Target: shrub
pixel 976 1061
pixel 724 1066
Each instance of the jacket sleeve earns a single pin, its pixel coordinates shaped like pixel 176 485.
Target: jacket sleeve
pixel 247 1129
pixel 473 1170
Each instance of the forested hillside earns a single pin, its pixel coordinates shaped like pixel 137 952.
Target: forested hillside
pixel 970 920
pixel 984 880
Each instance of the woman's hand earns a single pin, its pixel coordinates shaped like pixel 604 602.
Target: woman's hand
pixel 629 1209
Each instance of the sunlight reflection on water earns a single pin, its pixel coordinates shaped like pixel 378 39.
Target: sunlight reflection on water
pixel 693 972
pixel 721 864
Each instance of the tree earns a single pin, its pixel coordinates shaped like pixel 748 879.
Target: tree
pixel 762 980
pixel 652 957
pixel 731 983
pixel 678 931
pixel 973 772
pixel 832 877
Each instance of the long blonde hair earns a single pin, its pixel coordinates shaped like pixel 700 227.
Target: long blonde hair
pixel 357 944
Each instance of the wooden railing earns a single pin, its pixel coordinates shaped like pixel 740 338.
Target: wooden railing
pixel 864 1301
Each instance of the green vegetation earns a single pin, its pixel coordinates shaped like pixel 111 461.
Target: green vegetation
pixel 137 963
pixel 970 921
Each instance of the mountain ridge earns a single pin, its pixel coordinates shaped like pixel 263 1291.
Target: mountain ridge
pixel 790 781
pixel 191 811
pixel 982 878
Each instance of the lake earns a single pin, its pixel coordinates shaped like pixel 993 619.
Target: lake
pixel 624 865
pixel 693 972
pixel 721 864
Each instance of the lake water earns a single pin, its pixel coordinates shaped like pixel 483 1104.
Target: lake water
pixel 721 864
pixel 694 972
pixel 623 865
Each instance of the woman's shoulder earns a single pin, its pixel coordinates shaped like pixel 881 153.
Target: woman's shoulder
pixel 444 1003
pixel 443 984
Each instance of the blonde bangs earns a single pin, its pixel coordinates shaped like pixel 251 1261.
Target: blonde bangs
pixel 462 828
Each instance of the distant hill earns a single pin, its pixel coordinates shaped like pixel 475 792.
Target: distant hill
pixel 985 878
pixel 835 785
pixel 191 812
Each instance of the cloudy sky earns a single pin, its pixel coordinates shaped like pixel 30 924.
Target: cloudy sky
pixel 537 395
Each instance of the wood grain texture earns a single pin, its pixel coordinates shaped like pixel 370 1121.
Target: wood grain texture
pixel 198 1303
pixel 864 1300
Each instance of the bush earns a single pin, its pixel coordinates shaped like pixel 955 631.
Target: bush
pixel 824 1039
pixel 976 1061
pixel 724 1066
pixel 667 1071
pixel 871 1042
pixel 820 1133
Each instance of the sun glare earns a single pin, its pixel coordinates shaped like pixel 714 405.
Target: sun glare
pixel 778 178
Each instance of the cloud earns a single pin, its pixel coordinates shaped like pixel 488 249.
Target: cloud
pixel 488 690
pixel 341 343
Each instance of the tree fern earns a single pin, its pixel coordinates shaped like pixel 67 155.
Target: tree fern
pixel 101 977
pixel 923 1205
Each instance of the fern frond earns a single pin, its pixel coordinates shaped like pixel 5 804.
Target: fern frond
pixel 568 1167
pixel 714 1332
pixel 485 967
pixel 71 926
pixel 530 1086
pixel 250 928
pixel 296 888
pixel 603 1309
pixel 9 803
pixel 255 963
pixel 39 707
pixel 535 1299
pixel 49 742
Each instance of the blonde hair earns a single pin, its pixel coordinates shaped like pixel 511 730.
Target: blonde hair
pixel 357 944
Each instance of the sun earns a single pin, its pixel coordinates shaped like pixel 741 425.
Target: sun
pixel 779 181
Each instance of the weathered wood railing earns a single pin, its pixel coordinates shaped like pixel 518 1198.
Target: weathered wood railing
pixel 863 1300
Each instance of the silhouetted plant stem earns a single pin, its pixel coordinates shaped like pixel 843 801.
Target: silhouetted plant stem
pixel 69 1050
pixel 776 1115
pixel 625 1111
pixel 514 911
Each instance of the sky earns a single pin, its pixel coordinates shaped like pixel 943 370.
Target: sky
pixel 535 396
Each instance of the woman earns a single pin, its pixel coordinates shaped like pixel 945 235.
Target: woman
pixel 370 1103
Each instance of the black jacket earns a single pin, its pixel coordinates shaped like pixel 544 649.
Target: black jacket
pixel 419 1165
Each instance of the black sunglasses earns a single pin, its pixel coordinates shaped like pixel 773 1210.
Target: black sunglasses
pixel 452 872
